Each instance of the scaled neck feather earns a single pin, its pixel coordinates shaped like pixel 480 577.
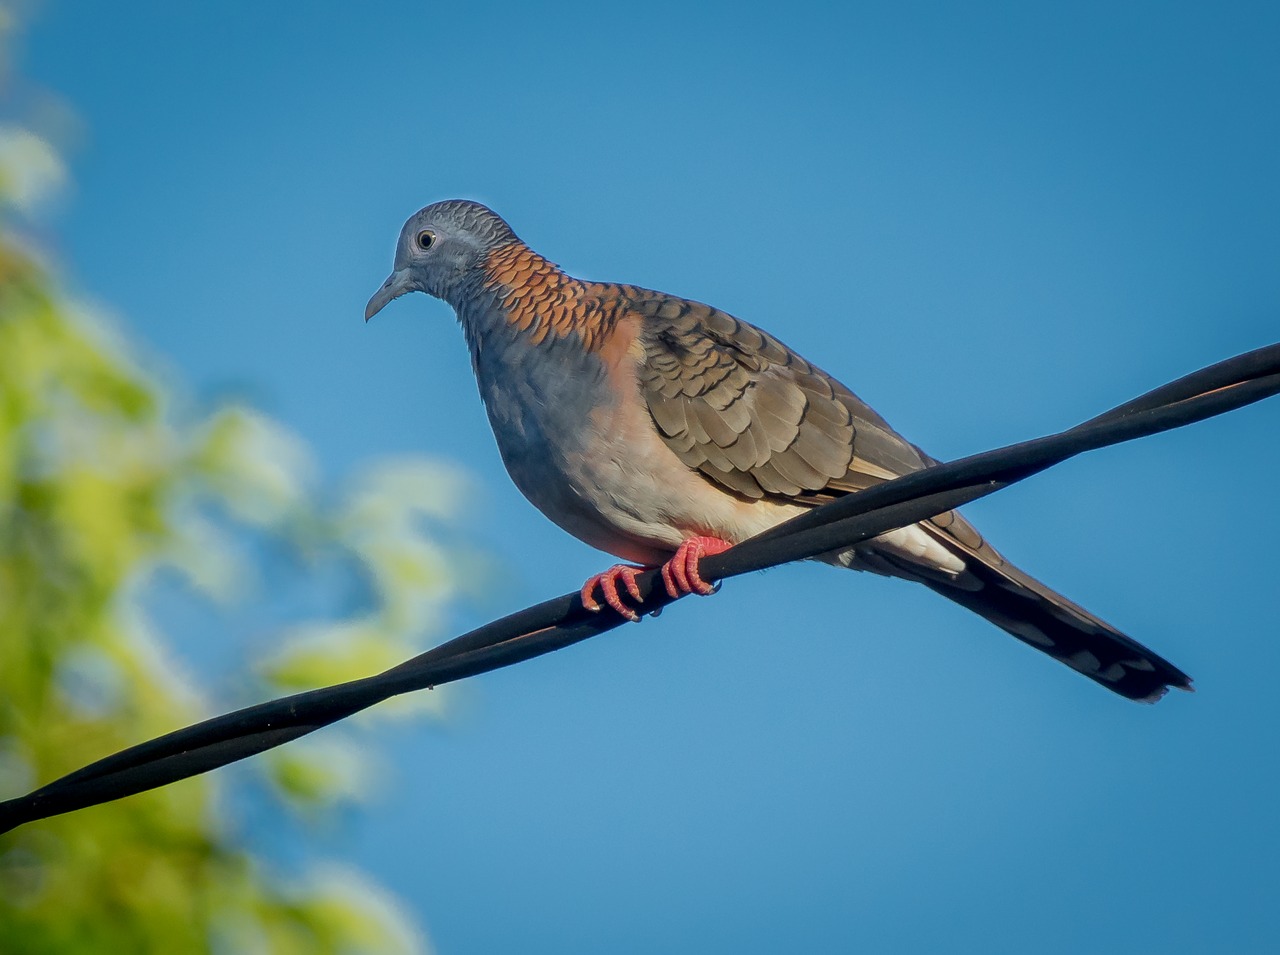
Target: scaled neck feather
pixel 536 299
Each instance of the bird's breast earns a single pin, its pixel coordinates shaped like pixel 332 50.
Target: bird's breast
pixel 580 444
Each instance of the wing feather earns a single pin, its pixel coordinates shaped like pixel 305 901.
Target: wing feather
pixel 752 415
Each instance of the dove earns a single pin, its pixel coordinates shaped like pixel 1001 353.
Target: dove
pixel 662 430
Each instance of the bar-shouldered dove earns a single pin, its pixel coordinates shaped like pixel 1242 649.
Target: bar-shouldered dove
pixel 661 430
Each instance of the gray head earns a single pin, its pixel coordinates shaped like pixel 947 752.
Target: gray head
pixel 439 247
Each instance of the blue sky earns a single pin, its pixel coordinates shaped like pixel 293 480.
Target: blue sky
pixel 991 220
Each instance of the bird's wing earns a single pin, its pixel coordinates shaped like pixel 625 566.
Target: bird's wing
pixel 752 415
pixel 758 420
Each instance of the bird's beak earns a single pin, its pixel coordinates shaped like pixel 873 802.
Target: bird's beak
pixel 397 284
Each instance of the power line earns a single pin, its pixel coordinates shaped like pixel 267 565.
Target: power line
pixel 562 621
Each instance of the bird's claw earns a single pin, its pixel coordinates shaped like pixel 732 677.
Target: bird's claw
pixel 680 574
pixel 607 582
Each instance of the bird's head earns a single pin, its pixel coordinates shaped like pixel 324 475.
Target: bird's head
pixel 440 247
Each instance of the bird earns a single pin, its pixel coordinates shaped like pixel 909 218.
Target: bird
pixel 662 430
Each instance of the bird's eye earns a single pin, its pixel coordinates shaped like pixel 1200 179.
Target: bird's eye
pixel 426 239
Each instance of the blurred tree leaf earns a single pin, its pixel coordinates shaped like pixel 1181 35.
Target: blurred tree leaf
pixel 101 489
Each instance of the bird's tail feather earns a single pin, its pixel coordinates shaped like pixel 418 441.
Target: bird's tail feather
pixel 1039 616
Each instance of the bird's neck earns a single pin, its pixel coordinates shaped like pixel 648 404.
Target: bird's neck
pixel 520 294
pixel 536 337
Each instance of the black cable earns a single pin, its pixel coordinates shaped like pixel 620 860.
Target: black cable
pixel 562 621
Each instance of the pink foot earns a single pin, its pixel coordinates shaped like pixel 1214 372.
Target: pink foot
pixel 608 584
pixel 680 573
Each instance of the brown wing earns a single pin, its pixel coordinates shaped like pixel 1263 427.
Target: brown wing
pixel 752 415
pixel 756 418
pixel 759 420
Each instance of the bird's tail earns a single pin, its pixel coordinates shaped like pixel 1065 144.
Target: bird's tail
pixel 1038 616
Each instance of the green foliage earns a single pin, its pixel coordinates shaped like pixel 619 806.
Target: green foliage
pixel 101 488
